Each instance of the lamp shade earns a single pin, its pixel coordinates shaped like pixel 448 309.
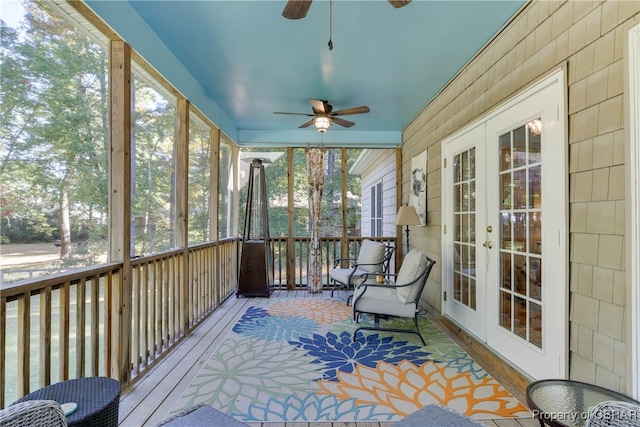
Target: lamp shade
pixel 407 215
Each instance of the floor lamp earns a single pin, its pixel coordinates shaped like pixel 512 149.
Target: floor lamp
pixel 407 216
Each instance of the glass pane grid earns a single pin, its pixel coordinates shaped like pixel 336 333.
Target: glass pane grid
pixel 465 228
pixel 520 234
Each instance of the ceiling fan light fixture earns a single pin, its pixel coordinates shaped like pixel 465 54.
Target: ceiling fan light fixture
pixel 322 123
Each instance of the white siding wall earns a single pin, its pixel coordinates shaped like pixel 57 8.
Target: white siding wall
pixel 382 167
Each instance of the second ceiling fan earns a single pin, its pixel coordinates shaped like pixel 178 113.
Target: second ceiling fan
pixel 297 9
pixel 323 115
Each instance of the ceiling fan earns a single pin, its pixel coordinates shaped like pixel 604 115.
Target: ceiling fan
pixel 297 9
pixel 323 115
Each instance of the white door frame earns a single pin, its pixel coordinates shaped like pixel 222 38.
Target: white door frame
pixel 474 320
pixel 558 81
pixel 633 207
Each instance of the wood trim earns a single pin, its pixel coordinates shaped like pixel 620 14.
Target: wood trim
pixel 24 331
pixel 44 369
pixel 399 237
pixel 632 214
pixel 214 206
pixel 344 244
pixel 181 288
pixel 3 343
pixel 65 314
pixel 499 368
pixel 120 206
pixel 291 245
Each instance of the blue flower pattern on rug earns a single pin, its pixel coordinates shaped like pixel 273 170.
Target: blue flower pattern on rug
pixel 341 353
pixel 258 324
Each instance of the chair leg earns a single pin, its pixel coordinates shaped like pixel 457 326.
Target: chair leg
pixel 380 329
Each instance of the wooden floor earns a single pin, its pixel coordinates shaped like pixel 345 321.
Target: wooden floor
pixel 150 398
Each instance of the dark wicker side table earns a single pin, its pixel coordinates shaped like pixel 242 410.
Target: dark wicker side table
pixel 97 398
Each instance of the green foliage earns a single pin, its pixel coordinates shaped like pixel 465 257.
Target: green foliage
pixel 53 134
pixel 276 175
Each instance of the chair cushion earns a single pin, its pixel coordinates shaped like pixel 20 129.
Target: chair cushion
pixel 374 299
pixel 413 265
pixel 371 253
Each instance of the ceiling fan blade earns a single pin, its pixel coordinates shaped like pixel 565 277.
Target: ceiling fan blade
pixel 309 123
pixel 319 106
pixel 293 114
pixel 296 9
pixel 342 122
pixel 355 110
pixel 399 3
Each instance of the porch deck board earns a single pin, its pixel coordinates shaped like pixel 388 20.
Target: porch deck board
pixel 151 397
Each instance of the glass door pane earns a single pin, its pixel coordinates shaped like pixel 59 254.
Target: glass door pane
pixel 520 232
pixel 464 190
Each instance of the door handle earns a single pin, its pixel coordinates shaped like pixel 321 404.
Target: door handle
pixel 488 244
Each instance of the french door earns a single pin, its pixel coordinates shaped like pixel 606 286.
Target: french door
pixel 504 242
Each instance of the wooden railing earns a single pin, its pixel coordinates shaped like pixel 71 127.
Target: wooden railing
pixel 55 328
pixel 62 326
pixel 291 272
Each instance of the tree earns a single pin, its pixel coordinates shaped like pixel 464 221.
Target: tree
pixel 54 129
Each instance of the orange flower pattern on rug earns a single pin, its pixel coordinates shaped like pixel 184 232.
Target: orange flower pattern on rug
pixel 407 387
pixel 316 309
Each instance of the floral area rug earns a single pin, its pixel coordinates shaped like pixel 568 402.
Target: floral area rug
pixel 295 360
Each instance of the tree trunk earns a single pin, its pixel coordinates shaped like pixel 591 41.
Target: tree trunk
pixel 64 224
pixel 315 174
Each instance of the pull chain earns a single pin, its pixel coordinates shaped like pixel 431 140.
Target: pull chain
pixel 330 24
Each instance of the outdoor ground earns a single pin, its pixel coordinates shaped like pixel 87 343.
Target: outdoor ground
pixel 13 255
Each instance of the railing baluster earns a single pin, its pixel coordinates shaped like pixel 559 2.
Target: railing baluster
pixel 44 370
pixel 80 323
pixel 144 312
pixel 3 345
pixel 135 321
pixel 95 326
pixel 108 321
pixel 24 336
pixel 64 331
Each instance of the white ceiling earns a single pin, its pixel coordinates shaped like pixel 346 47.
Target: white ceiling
pixel 239 61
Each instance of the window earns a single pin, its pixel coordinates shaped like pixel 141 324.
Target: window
pixel 153 197
pixel 199 180
pixel 376 209
pixel 225 190
pixel 53 144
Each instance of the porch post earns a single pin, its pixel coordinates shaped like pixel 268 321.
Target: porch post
pixel 181 216
pixel 399 241
pixel 291 244
pixel 344 241
pixel 214 200
pixel 118 331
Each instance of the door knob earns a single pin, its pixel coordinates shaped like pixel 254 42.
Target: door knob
pixel 488 244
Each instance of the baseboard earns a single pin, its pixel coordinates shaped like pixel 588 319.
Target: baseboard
pixel 513 379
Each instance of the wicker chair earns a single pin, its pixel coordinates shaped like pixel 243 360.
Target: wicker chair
pixel 614 414
pixel 33 413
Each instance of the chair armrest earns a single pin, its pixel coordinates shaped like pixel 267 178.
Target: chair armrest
pixel 365 276
pixel 385 285
pixel 339 260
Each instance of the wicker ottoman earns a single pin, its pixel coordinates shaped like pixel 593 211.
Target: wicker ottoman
pixel 97 399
